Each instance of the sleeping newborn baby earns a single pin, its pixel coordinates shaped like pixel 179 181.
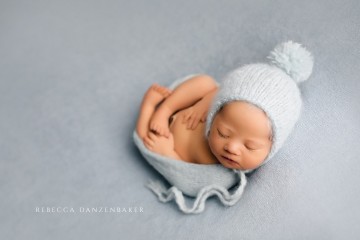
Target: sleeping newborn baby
pixel 173 124
pixel 200 134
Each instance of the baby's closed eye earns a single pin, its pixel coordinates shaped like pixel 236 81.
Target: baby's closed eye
pixel 221 134
pixel 254 146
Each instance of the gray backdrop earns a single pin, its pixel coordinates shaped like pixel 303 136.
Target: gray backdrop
pixel 72 76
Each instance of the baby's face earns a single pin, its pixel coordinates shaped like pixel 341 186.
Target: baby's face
pixel 240 136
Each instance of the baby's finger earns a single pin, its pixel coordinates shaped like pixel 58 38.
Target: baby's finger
pixel 160 132
pixel 194 123
pixel 153 127
pixel 191 122
pixel 151 135
pixel 185 118
pixel 157 130
pixel 188 125
pixel 148 142
pixel 148 146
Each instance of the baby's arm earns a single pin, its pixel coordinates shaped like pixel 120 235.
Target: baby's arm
pixel 185 95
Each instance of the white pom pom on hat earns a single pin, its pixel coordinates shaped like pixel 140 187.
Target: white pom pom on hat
pixel 273 87
pixel 294 59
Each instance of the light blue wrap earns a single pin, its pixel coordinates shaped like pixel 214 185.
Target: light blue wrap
pixel 195 180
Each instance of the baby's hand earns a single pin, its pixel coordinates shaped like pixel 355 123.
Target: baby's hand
pixel 193 115
pixel 159 144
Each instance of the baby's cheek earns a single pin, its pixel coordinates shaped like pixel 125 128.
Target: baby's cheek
pixel 253 160
pixel 263 156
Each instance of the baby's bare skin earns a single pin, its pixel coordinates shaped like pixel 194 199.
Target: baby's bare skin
pixel 185 142
pixel 191 144
pixel 184 96
pixel 240 135
pixel 153 126
pixel 152 98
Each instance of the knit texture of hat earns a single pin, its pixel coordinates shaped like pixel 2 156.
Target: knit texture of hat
pixel 272 87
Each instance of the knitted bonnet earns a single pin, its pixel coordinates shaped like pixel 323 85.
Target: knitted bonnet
pixel 272 87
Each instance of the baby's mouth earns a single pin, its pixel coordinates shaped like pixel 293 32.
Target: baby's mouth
pixel 229 159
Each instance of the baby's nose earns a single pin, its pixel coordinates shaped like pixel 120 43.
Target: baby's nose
pixel 233 149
